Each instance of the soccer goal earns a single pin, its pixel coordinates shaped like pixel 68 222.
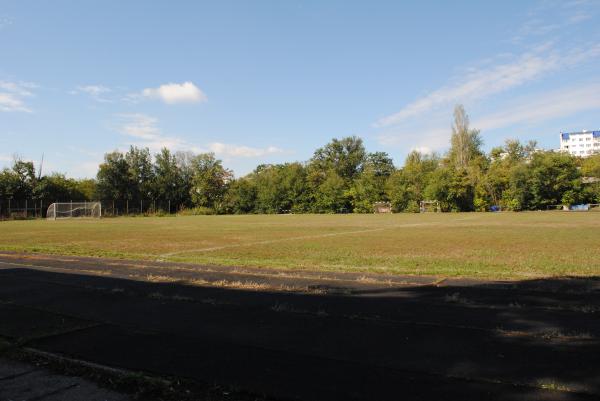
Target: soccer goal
pixel 65 210
pixel 429 206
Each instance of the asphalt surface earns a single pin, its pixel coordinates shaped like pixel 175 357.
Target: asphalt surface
pixel 311 336
pixel 27 382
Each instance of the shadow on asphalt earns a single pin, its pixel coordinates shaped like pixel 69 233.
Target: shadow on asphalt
pixel 525 340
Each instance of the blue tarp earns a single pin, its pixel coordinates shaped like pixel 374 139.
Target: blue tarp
pixel 580 208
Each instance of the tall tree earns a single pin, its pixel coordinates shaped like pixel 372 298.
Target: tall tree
pixel 465 143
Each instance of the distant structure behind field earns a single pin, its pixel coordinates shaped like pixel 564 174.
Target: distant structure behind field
pixel 583 143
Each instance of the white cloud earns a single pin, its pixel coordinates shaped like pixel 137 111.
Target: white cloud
pixel 147 134
pixel 426 139
pixel 12 96
pixel 543 106
pixel 229 150
pixel 4 22
pixel 579 17
pixel 10 102
pixel 22 89
pixel 172 93
pixel 97 92
pixel 481 83
pixel 434 135
pixel 423 149
pixel 87 169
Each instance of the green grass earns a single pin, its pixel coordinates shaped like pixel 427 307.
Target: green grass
pixel 486 245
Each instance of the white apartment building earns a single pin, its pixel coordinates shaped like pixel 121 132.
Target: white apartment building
pixel 583 143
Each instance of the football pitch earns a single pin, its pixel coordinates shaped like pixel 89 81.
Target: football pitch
pixel 479 245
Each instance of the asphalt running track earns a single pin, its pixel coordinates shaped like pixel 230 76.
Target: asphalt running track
pixel 311 336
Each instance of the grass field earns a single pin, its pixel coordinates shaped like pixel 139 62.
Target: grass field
pixel 486 245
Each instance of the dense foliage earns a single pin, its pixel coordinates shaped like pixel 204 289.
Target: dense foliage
pixel 340 177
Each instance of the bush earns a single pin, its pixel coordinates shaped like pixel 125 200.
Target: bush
pixel 196 211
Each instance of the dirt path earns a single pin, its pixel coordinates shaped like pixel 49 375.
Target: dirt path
pixel 311 335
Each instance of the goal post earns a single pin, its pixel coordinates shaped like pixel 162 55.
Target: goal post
pixel 65 210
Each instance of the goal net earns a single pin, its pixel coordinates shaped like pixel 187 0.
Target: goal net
pixel 65 210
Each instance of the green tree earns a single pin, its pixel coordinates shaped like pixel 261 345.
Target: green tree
pixel 590 166
pixel 209 181
pixel 58 188
pixel 554 179
pixel 331 196
pixel 140 174
pixel 169 188
pixel 113 178
pixel 465 143
pixel 405 187
pixel 240 197
pixel 345 156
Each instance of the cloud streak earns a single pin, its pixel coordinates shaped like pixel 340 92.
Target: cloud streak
pixel 228 150
pixel 146 133
pixel 13 95
pixel 483 83
pixel 523 111
pixel 543 107
pixel 96 92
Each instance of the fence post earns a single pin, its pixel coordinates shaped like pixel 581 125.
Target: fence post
pixel 25 207
pixel 127 207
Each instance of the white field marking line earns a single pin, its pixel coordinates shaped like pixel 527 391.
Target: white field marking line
pixel 272 241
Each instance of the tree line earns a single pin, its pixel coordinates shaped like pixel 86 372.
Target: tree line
pixel 340 177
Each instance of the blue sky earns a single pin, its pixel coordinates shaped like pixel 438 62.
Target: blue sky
pixel 270 81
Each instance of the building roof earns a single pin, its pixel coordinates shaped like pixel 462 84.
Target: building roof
pixel 566 135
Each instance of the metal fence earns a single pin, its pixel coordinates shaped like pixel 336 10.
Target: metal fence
pixel 37 208
pixel 23 208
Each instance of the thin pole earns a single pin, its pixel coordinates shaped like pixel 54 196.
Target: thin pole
pixel 25 207
pixel 127 207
